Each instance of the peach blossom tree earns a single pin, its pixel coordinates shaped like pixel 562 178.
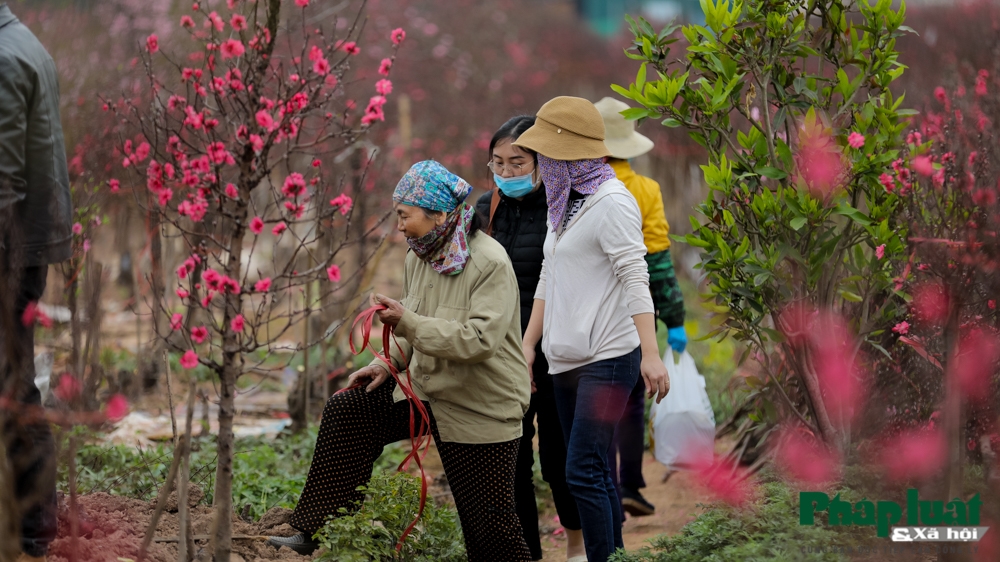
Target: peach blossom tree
pixel 235 153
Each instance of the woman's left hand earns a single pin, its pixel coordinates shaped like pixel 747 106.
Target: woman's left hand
pixel 393 312
pixel 654 373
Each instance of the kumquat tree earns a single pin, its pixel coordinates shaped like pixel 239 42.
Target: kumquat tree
pixel 229 154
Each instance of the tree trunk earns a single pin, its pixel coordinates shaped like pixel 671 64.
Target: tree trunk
pixel 231 370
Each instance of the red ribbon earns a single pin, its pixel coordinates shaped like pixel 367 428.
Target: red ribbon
pixel 420 436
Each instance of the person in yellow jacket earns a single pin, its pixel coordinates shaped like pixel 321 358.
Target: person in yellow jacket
pixel 625 143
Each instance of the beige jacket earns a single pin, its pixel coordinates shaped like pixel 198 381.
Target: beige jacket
pixel 461 335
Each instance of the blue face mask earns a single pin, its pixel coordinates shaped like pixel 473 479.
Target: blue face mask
pixel 517 186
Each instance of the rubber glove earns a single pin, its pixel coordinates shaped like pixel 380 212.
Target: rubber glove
pixel 677 338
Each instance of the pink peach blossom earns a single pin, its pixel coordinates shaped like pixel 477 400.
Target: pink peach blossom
pixel 116 408
pixel 198 334
pixel 152 43
pixel 263 286
pixel 384 67
pixel 856 140
pixel 333 273
pixel 880 251
pixel 238 323
pixel 257 225
pixel 176 320
pixel 397 35
pixel 189 360
pixel 232 48
pixel 279 228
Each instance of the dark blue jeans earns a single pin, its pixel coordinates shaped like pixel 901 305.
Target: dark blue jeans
pixel 590 401
pixel 628 445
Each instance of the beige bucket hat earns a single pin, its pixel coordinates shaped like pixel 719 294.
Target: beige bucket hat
pixel 619 133
pixel 566 128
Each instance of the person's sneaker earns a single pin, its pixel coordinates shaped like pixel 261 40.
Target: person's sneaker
pixel 634 504
pixel 299 543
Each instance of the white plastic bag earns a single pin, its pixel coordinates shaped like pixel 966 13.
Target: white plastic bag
pixel 683 424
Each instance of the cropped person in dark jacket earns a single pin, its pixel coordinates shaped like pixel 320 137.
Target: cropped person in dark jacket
pixel 35 230
pixel 519 225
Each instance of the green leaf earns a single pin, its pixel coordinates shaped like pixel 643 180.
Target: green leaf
pixel 634 113
pixel 797 223
pixel 670 122
pixel 771 172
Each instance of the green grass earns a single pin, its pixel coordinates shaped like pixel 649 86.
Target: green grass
pixel 267 472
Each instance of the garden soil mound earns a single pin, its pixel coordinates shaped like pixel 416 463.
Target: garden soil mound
pixel 113 527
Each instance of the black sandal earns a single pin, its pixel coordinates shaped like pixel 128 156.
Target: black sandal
pixel 300 543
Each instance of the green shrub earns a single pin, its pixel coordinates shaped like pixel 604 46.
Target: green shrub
pixel 267 472
pixel 765 530
pixel 371 532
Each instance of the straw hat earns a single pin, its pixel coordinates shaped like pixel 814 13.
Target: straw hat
pixel 620 135
pixel 566 128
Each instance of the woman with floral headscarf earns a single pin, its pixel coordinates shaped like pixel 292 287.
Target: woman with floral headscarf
pixel 458 331
pixel 592 309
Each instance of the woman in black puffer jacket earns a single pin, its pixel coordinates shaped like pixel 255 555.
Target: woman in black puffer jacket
pixel 518 223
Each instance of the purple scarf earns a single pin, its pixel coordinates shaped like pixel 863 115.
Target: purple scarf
pixel 560 176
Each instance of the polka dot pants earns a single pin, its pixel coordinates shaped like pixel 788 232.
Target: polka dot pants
pixel 357 425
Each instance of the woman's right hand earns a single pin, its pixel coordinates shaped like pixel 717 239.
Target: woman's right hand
pixel 529 357
pixel 373 375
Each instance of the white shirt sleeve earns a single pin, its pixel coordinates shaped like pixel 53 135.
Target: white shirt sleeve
pixel 620 237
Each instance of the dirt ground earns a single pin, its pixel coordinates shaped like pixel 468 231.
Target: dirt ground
pixel 113 527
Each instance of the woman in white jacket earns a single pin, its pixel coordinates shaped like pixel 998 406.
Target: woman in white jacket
pixel 592 309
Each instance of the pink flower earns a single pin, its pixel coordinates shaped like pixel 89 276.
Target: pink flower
pixel 383 87
pixel 940 94
pixel 384 67
pixel 805 458
pixel 351 48
pixel 231 191
pixel 992 304
pixel 344 202
pixel 294 185
pixel 321 67
pixel 723 483
pixel 262 286
pixel 176 320
pixel 186 21
pixel 232 48
pixel 69 388
pixel 333 272
pixel 923 166
pixel 114 185
pixel 265 120
pixel 237 324
pixel 189 360
pixel 215 21
pixel 915 454
pixel 302 3
pixel 77 228
pixel 256 143
pixel 978 351
pixel 397 35
pixel 880 251
pixel 238 22
pixel 86 245
pixel 887 182
pixel 116 408
pixel 279 228
pixel 256 225
pixel 902 328
pixel 198 334
pixel 182 293
pixel 856 140
pixel 316 163
pixel 152 43
pixel 32 313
